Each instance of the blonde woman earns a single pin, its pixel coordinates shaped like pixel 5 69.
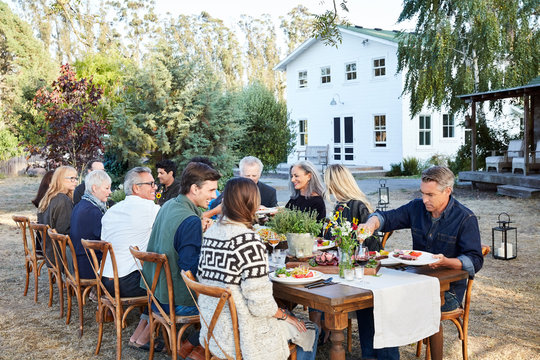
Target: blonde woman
pixel 56 205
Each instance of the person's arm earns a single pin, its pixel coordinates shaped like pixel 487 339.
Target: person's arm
pixel 187 243
pixel 273 198
pixel 212 212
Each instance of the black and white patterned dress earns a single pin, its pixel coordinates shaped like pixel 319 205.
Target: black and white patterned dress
pixel 232 256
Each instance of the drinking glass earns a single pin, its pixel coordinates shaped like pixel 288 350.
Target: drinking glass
pixel 361 259
pixel 273 240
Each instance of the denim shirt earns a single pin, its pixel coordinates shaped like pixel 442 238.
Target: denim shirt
pixel 455 234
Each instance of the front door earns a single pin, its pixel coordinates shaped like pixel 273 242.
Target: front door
pixel 343 139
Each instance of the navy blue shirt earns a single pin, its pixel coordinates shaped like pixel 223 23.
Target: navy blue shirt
pixel 455 234
pixel 187 242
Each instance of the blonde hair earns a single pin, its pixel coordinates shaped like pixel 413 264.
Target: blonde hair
pixel 341 183
pixel 57 186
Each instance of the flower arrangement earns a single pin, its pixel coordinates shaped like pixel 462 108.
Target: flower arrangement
pixel 344 233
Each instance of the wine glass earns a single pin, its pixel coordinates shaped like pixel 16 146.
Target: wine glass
pixel 273 240
pixel 361 235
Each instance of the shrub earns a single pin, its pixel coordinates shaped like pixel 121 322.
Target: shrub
pixel 395 170
pixel 411 166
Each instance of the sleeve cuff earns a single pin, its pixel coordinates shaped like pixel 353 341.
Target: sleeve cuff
pixel 381 219
pixel 466 264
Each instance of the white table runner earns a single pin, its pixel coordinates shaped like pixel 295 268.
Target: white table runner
pixel 406 306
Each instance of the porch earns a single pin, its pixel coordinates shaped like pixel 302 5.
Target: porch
pixel 515 185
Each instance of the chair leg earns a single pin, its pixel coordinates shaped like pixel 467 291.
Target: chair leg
pixel 100 314
pixel 118 323
pixel 60 295
pixel 36 278
pixel 464 345
pixel 81 312
pixel 51 282
pixel 419 348
pixel 69 303
pixel 28 269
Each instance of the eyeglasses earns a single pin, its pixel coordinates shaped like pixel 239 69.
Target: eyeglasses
pixel 71 178
pixel 151 183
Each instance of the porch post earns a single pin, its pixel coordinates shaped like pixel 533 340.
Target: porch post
pixel 473 136
pixel 526 137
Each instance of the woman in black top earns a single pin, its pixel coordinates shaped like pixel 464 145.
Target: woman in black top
pixel 306 189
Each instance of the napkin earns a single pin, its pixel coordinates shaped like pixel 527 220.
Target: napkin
pixel 406 306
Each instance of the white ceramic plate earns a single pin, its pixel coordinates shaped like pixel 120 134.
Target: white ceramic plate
pixel 326 247
pixel 389 261
pixel 424 259
pixel 294 281
pixel 272 210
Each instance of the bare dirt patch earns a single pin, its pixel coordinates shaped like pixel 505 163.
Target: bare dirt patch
pixel 505 319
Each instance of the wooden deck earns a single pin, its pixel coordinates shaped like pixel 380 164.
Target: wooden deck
pixel 516 185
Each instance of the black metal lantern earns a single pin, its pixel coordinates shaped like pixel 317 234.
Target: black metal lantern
pixel 504 239
pixel 384 195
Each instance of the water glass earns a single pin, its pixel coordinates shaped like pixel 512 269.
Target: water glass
pixel 349 274
pixel 359 273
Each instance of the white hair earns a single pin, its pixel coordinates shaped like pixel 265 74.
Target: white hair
pixel 97 178
pixel 250 160
pixel 133 176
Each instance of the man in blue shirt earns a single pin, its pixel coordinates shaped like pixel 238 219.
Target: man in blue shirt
pixel 440 225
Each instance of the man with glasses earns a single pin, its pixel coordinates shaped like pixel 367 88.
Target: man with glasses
pixel 130 223
pixel 440 225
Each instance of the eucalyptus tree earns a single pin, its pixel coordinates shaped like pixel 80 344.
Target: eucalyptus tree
pixel 464 46
pixel 261 52
pixel 297 26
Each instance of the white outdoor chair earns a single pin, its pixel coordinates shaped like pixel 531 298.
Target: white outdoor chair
pixel 499 163
pixel 518 163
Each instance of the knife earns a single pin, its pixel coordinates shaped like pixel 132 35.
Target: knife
pixel 319 283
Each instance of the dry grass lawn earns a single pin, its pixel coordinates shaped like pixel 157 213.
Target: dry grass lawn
pixel 505 320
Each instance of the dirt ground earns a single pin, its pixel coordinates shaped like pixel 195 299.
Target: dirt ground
pixel 505 320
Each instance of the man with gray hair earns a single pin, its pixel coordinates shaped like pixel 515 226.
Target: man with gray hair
pixel 440 225
pixel 130 223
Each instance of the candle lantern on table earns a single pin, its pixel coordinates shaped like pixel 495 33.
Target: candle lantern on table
pixel 504 239
pixel 384 195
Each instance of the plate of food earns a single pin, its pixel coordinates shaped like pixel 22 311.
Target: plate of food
pixel 322 244
pixel 296 276
pixel 265 211
pixel 413 257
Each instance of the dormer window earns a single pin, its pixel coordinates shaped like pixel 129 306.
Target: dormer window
pixel 379 67
pixel 325 75
pixel 302 79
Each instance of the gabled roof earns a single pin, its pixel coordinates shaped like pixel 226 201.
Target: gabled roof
pixel 388 37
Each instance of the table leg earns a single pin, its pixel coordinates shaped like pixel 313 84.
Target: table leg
pixel 436 342
pixel 336 323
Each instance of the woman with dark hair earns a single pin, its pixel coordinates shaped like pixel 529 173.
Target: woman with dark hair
pixel 233 257
pixel 43 187
pixel 306 189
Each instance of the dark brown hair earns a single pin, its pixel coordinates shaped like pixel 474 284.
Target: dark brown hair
pixel 43 187
pixel 197 173
pixel 241 199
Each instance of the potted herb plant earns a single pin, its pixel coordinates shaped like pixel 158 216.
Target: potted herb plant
pixel 299 227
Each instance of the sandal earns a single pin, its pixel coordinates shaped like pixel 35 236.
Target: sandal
pixel 158 346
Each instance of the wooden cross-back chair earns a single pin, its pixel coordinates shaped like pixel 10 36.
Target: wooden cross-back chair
pixel 106 301
pixel 459 316
pixel 168 322
pixel 72 281
pixel 225 297
pixel 54 271
pixel 33 260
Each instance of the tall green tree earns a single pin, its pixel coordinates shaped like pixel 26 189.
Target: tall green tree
pixel 463 46
pixel 268 134
pixel 297 26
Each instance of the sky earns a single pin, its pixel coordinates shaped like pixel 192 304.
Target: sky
pixel 367 13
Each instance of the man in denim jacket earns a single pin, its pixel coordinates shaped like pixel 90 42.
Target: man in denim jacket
pixel 442 226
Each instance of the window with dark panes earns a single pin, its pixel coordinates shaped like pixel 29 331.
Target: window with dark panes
pixel 448 126
pixel 350 71
pixel 424 130
pixel 379 67
pixel 302 132
pixel 302 79
pixel 325 75
pixel 380 130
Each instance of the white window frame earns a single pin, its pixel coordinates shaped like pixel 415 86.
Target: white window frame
pixel 353 73
pixel 302 79
pixel 449 129
pixel 379 70
pixel 424 132
pixel 379 140
pixel 326 75
pixel 302 132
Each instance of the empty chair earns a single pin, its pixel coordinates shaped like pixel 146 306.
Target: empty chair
pixel 168 321
pixel 33 261
pixel 54 271
pixel 518 163
pixel 72 281
pixel 107 302
pixel 504 162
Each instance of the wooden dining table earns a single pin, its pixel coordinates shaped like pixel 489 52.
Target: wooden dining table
pixel 338 300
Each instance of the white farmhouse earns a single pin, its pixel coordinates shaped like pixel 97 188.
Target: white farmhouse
pixel 350 98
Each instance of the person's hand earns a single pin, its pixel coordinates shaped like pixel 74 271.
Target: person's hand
pixel 370 226
pixel 444 262
pixel 438 264
pixel 206 223
pixel 300 325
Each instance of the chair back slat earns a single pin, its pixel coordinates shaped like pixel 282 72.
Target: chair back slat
pixel 62 244
pixel 40 231
pixel 23 223
pixel 225 296
pixel 106 249
pixel 162 263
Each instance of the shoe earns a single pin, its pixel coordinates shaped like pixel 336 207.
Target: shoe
pixel 158 346
pixel 196 354
pixel 185 349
